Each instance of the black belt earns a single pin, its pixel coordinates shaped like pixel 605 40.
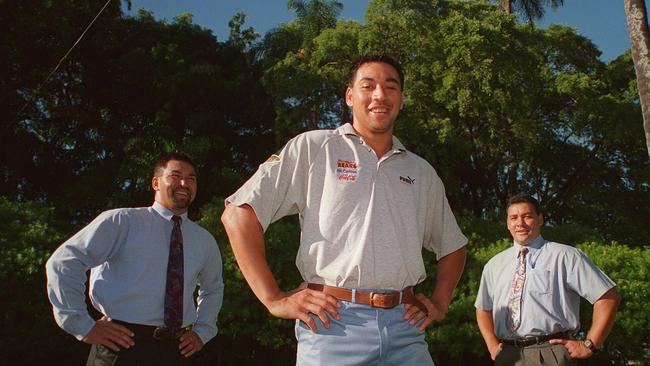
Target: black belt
pixel 529 341
pixel 159 333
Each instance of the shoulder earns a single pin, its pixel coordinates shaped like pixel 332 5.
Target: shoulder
pixel 120 214
pixel 497 261
pixel 562 249
pixel 203 234
pixel 316 138
pixel 308 145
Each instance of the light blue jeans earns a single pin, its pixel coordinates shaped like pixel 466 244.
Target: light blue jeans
pixel 363 336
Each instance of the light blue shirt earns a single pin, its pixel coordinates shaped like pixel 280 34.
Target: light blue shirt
pixel 127 251
pixel 557 275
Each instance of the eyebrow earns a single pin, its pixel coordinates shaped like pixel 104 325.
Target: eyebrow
pixel 388 80
pixel 181 173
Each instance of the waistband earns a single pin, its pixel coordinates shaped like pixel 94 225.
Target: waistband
pixel 534 340
pixel 376 299
pixel 159 333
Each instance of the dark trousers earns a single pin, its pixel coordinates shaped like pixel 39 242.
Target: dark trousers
pixel 544 354
pixel 147 351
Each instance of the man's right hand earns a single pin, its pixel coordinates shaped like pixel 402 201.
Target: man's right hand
pixel 297 304
pixel 495 350
pixel 110 335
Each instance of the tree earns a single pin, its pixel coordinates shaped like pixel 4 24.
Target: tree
pixel 306 79
pixel 518 109
pixel 637 25
pixel 132 89
pixel 531 9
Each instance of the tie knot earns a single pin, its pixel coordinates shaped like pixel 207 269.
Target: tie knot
pixel 523 252
pixel 177 219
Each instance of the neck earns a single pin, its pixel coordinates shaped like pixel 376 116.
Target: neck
pixel 175 210
pixel 380 142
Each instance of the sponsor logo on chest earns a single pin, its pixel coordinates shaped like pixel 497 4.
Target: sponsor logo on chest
pixel 347 171
pixel 407 180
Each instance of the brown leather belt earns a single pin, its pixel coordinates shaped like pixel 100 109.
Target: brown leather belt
pixel 533 340
pixel 159 333
pixel 376 299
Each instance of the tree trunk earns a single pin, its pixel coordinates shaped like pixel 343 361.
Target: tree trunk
pixel 507 6
pixel 637 25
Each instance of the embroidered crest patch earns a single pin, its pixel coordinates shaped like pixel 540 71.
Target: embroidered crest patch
pixel 272 159
pixel 347 170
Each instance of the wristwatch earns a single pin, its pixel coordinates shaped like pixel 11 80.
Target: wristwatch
pixel 589 344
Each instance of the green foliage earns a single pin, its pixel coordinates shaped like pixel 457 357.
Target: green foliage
pixel 243 319
pixel 495 106
pixel 630 269
pixel 29 233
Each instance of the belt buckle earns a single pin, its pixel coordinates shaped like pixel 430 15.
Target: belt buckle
pixel 384 300
pixel 161 333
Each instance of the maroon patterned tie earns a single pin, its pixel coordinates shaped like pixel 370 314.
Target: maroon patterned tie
pixel 174 287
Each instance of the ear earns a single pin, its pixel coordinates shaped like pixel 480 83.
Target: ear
pixel 348 97
pixel 155 183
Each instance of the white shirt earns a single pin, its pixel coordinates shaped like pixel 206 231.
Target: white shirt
pixel 364 220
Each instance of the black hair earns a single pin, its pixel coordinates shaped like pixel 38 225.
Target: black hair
pixel 525 198
pixel 177 155
pixel 374 57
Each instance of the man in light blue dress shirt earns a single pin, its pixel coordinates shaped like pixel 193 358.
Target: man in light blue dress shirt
pixel 127 253
pixel 556 276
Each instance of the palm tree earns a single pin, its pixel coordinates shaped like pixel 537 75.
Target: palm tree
pixel 531 9
pixel 315 15
pixel 637 25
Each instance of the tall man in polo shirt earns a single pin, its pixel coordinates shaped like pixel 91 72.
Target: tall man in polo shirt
pixel 367 207
pixel 528 303
pixel 128 251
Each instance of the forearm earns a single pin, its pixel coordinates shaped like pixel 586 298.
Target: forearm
pixel 486 326
pixel 65 284
pixel 450 268
pixel 247 241
pixel 603 317
pixel 209 301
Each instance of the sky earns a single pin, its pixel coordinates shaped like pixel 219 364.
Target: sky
pixel 602 21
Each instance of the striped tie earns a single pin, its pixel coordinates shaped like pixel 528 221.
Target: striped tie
pixel 516 292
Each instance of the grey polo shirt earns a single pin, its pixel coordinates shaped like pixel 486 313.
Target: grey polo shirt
pixel 364 220
pixel 557 275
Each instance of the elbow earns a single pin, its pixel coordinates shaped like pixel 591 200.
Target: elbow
pixel 613 296
pixel 226 216
pixel 230 216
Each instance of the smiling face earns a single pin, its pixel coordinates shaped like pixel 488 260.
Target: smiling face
pixel 175 186
pixel 524 223
pixel 376 98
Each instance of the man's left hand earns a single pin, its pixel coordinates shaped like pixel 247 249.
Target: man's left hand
pixel 435 312
pixel 577 349
pixel 190 343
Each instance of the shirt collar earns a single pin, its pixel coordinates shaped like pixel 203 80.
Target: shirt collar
pixel 537 243
pixel 347 129
pixel 166 213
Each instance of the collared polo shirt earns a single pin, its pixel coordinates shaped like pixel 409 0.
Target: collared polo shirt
pixel 557 275
pixel 364 219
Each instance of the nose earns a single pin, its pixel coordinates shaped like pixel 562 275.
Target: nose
pixel 378 93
